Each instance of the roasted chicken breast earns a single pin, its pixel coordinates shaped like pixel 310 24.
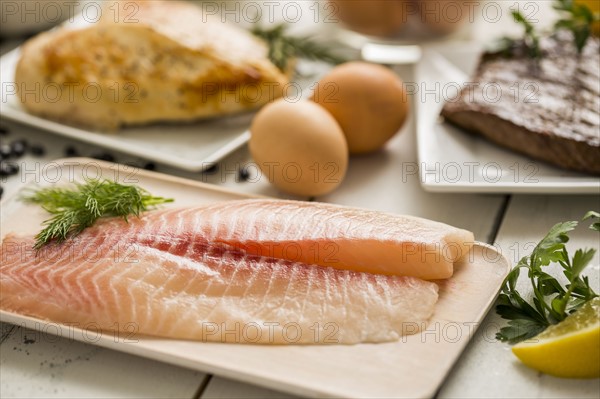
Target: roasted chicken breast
pixel 160 61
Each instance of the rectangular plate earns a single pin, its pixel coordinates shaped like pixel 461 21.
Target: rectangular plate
pixel 452 160
pixel 191 146
pixel 413 367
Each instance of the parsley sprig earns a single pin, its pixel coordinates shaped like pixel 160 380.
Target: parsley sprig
pixel 551 302
pixel 576 18
pixel 283 47
pixel 75 209
pixel 531 38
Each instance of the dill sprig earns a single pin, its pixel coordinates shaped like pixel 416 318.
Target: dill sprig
pixel 283 47
pixel 552 302
pixel 75 209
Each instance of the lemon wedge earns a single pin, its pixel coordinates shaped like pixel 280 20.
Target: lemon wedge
pixel 569 349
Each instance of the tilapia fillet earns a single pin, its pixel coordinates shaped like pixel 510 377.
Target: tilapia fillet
pixel 113 277
pixel 260 271
pixel 324 234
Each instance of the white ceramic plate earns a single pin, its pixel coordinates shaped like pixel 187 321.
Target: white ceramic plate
pixel 412 367
pixel 194 146
pixel 454 161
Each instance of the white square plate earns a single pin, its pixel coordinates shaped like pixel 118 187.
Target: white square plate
pixel 452 160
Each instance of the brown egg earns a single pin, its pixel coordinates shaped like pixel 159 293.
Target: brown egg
pixel 299 147
pixel 368 101
pixel 444 16
pixel 373 17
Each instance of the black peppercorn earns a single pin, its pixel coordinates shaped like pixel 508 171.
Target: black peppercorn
pixel 71 151
pixel 38 150
pixel 243 174
pixel 104 156
pixel 5 151
pixel 18 148
pixel 8 169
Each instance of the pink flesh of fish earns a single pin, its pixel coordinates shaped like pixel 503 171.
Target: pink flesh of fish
pixel 205 292
pixel 196 273
pixel 331 235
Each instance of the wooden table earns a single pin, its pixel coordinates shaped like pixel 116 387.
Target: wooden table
pixel 38 365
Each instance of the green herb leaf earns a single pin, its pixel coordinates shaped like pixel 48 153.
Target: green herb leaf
pixel 550 249
pixel 578 19
pixel 283 47
pixel 581 259
pixel 593 215
pixel 531 39
pixel 78 208
pixel 519 330
pixel 551 302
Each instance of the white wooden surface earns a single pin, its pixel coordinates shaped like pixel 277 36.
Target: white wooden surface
pixel 487 368
pixel 35 364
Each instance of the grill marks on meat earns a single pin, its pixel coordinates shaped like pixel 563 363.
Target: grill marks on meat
pixel 548 110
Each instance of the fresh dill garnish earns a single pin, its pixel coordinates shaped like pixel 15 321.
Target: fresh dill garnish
pixel 283 47
pixel 578 18
pixel 551 302
pixel 75 209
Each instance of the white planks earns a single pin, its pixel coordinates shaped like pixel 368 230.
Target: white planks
pixel 38 365
pixel 221 388
pixel 488 368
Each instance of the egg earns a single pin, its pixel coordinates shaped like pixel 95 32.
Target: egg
pixel 367 100
pixel 372 17
pixel 299 147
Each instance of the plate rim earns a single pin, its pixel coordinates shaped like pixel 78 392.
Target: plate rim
pixel 588 184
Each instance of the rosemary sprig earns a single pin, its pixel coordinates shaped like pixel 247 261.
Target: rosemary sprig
pixel 551 302
pixel 283 47
pixel 75 209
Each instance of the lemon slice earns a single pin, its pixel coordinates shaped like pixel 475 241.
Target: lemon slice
pixel 569 349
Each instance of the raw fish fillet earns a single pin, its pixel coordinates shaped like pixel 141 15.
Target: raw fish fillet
pixel 159 276
pixel 326 235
